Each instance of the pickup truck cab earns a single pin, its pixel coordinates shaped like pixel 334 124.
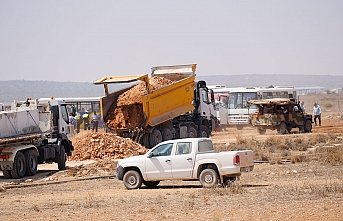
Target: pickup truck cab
pixel 184 159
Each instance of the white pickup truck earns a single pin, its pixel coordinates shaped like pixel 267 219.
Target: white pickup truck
pixel 184 159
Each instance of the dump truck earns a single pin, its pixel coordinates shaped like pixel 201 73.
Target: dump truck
pixel 180 109
pixel 33 132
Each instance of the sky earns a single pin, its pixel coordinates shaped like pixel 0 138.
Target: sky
pixel 81 41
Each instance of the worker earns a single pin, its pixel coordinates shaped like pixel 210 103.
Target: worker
pixel 95 121
pixel 85 118
pixel 78 119
pixel 72 122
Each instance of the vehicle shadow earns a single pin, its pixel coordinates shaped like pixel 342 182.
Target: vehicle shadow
pixel 41 174
pixel 193 186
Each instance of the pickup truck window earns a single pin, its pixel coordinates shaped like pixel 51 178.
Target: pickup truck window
pixel 163 150
pixel 205 146
pixel 183 148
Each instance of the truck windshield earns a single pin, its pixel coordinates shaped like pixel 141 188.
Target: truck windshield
pixel 205 146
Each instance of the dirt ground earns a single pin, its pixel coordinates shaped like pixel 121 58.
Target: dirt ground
pixel 88 190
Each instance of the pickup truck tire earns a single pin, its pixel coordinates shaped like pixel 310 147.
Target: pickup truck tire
pixel 19 166
pixel 203 131
pixel 228 181
pixel 31 162
pixel 208 178
pixel 62 159
pixel 167 134
pixel 151 183
pixel 132 180
pixel 155 137
pixel 308 126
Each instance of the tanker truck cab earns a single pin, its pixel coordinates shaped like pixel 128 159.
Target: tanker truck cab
pixel 60 118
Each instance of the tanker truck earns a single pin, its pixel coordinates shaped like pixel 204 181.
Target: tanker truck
pixel 180 109
pixel 33 132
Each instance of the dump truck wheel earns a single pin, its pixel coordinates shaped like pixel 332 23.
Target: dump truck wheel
pixel 208 178
pixel 203 131
pixel 146 142
pixel 31 162
pixel 155 137
pixel 19 166
pixel 62 159
pixel 308 126
pixel 151 183
pixel 132 180
pixel 167 134
pixel 192 132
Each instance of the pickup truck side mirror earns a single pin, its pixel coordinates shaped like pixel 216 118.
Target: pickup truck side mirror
pixel 150 155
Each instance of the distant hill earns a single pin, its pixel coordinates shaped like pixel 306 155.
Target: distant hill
pixel 21 89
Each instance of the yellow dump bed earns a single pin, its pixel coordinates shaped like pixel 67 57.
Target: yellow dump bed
pixel 162 104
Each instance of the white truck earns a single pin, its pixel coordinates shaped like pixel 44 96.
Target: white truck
pixel 33 132
pixel 184 159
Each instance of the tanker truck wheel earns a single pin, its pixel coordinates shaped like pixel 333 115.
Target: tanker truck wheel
pixel 19 166
pixel 62 159
pixel 155 137
pixel 7 174
pixel 31 162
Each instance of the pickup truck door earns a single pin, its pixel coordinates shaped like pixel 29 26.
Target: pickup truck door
pixel 183 160
pixel 159 165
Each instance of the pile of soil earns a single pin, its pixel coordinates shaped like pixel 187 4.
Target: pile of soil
pixel 95 145
pixel 127 112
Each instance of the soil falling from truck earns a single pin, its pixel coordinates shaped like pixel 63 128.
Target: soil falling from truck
pixel 127 111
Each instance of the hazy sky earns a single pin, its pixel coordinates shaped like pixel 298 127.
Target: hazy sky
pixel 85 40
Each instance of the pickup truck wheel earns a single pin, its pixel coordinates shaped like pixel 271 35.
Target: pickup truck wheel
pixel 155 137
pixel 282 128
pixel 19 166
pixel 203 131
pixel 7 174
pixel 208 178
pixel 31 162
pixel 132 180
pixel 192 132
pixel 261 130
pixel 62 159
pixel 167 134
pixel 151 183
pixel 308 126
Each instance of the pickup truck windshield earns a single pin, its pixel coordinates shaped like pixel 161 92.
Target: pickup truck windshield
pixel 205 146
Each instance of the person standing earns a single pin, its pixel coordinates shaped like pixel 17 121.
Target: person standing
pixel 85 118
pixel 78 119
pixel 317 114
pixel 302 106
pixel 95 121
pixel 72 122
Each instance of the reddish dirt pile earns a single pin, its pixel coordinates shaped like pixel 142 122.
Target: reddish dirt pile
pixel 94 145
pixel 127 112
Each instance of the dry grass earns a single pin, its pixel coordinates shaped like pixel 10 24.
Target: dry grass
pixel 324 148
